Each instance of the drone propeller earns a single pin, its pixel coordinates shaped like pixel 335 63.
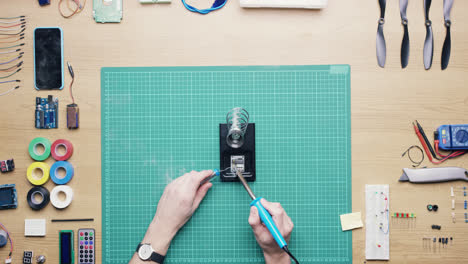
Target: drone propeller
pixel 381 46
pixel 405 44
pixel 448 42
pixel 429 42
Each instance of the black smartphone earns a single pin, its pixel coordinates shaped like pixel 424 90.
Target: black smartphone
pixel 48 58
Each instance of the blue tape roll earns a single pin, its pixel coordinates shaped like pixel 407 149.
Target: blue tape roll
pixel 68 175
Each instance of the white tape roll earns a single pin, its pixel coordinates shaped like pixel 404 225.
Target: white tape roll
pixel 56 201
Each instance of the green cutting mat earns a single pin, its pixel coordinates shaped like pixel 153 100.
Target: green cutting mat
pixel 158 123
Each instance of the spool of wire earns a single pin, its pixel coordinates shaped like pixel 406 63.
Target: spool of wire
pixel 237 120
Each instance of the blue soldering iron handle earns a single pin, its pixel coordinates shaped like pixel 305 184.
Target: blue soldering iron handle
pixel 269 223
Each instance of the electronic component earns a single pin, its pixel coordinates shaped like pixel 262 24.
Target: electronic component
pixel 404 215
pixel 377 222
pixel 34 227
pixel 8 197
pixel 44 2
pixel 67 254
pixel 431 207
pixel 7 165
pixel 73 112
pixel 28 257
pixel 107 11
pixel 40 259
pixel 86 245
pixel 77 4
pixel 46 112
pixel 3 238
pixel 237 146
pixel 453 137
pixel 436 227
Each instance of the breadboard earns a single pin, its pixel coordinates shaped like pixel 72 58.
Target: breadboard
pixel 377 222
pixel 158 123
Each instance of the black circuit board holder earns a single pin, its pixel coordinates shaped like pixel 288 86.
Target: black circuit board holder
pixel 247 150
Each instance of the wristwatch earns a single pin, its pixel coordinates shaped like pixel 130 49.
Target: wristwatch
pixel 146 252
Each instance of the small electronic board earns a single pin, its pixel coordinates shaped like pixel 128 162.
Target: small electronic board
pixel 46 112
pixel 7 165
pixel 107 11
pixel 8 197
pixel 453 137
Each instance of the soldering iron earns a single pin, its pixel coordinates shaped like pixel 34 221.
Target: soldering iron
pixel 263 213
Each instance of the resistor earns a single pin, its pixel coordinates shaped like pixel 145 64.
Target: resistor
pixel 466 204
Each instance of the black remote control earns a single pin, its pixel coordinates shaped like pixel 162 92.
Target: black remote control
pixel 86 246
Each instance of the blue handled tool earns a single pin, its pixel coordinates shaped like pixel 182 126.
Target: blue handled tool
pixel 264 215
pixel 268 221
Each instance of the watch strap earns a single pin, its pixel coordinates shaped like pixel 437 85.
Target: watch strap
pixel 158 258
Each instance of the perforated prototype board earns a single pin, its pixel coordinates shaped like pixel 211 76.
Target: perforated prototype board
pixel 158 123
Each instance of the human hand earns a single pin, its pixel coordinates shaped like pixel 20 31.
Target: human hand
pixel 271 251
pixel 179 201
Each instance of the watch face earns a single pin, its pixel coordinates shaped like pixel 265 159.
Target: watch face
pixel 145 252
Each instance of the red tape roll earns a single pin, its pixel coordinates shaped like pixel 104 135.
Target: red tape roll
pixel 68 149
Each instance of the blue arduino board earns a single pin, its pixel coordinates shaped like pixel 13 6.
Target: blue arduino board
pixel 46 115
pixel 453 137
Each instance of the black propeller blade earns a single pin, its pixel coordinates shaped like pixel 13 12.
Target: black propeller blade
pixel 429 42
pixel 405 44
pixel 446 49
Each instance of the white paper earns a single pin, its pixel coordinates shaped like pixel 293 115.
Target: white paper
pixel 351 221
pixel 377 222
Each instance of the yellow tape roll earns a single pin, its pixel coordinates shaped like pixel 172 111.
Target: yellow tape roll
pixel 45 173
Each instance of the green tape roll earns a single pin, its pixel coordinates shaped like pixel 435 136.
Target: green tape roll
pixel 33 148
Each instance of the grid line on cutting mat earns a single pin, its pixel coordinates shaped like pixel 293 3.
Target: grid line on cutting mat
pixel 160 122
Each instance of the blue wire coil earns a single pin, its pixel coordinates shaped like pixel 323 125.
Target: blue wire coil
pixel 218 4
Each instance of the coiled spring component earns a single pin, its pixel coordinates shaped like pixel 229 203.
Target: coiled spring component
pixel 237 120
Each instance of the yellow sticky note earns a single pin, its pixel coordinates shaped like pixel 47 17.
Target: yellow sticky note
pixel 351 221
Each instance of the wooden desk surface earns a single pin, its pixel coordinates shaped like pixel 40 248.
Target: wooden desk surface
pixel 384 101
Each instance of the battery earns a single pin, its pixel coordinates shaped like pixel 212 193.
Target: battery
pixel 73 115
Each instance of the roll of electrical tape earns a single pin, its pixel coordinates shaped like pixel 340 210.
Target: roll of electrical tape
pixel 69 171
pixel 62 143
pixel 33 148
pixel 45 173
pixel 56 201
pixel 41 191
